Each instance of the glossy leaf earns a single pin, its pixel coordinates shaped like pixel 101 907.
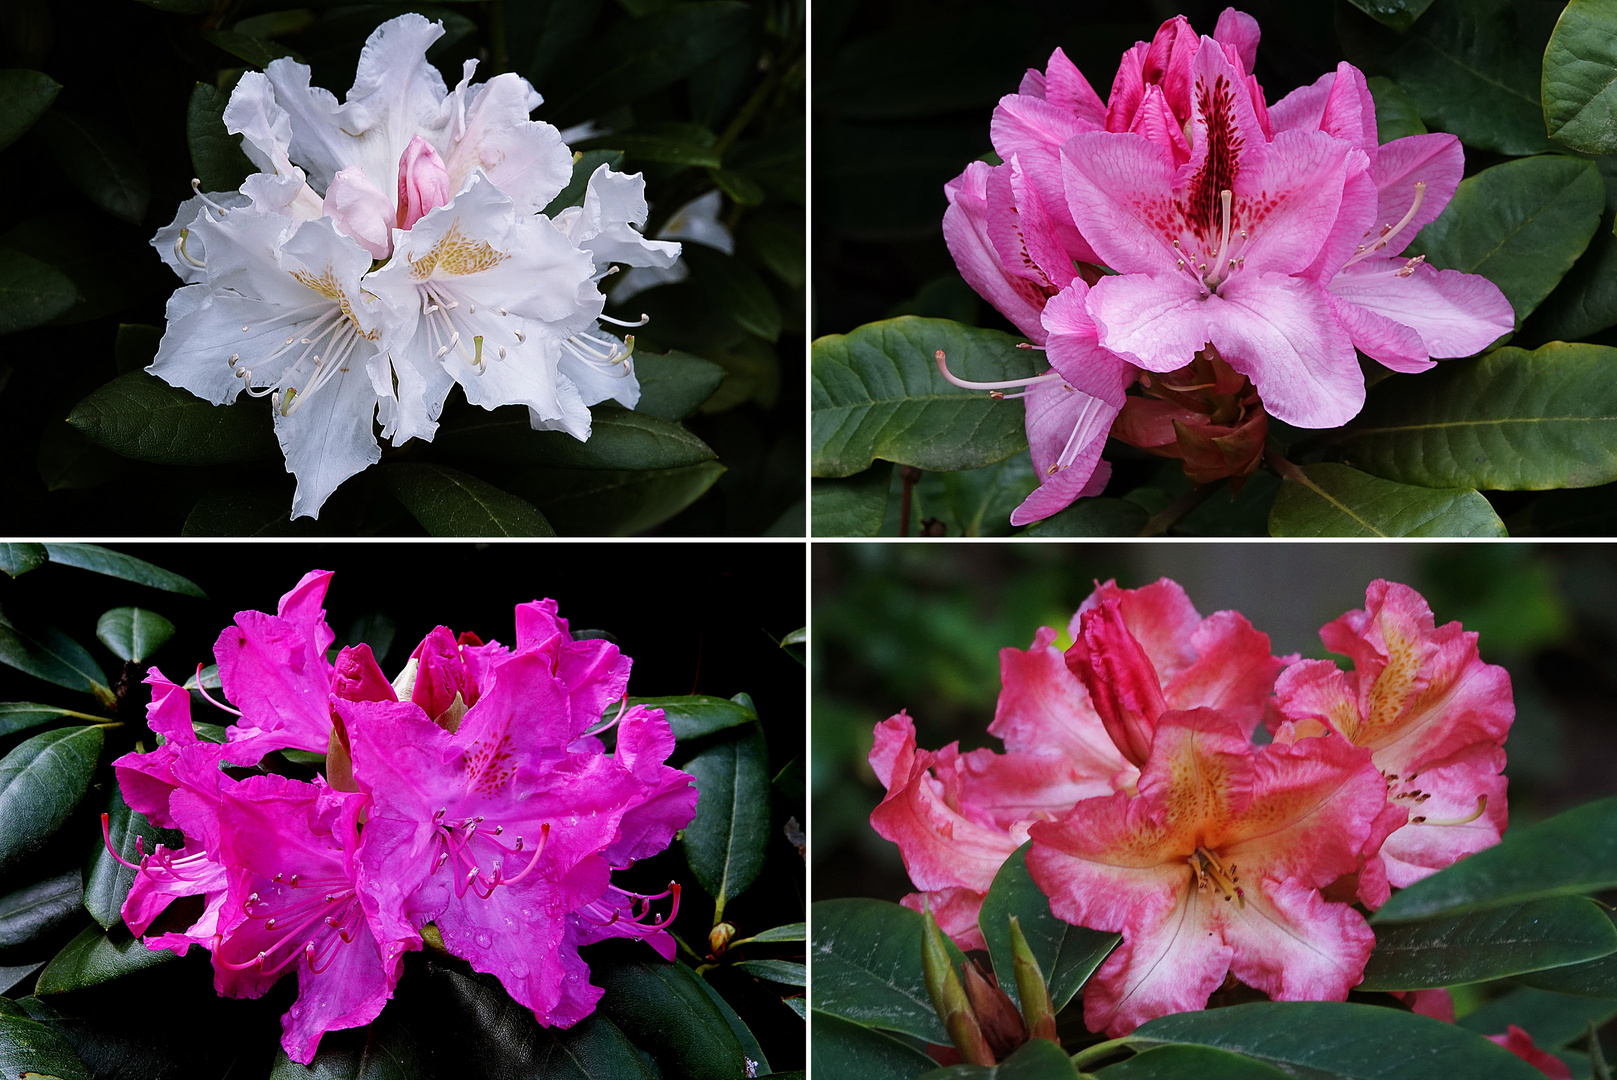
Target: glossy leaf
pixel 93 958
pixel 618 440
pixel 725 843
pixel 133 633
pixel 256 51
pixel 1580 70
pixel 54 657
pixel 1067 954
pixel 1330 1040
pixel 789 932
pixel 1521 225
pixel 840 1048
pixel 13 974
pixel 667 149
pixel 1036 1059
pixel 1552 1019
pixel 449 502
pixel 383 1050
pixel 1596 978
pixel 142 417
pixel 980 501
pixel 785 972
pixel 99 163
pixel 1333 500
pixel 35 1048
pixel 697 715
pixel 851 507
pixel 116 564
pixel 31 292
pixel 1396 115
pixel 1511 420
pixel 1093 517
pixel 750 1048
pixel 16 559
pixel 877 393
pixel 216 155
pixel 1586 300
pixel 578 185
pixel 1190 1063
pixel 130 833
pixel 1488 944
pixel 673 384
pixel 615 502
pixel 41 781
pixel 1571 853
pixel 665 1012
pixel 735 288
pixel 24 97
pixel 18 716
pixel 35 910
pixel 1398 14
pixel 866 959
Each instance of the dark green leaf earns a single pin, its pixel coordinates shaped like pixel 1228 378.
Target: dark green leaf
pixel 843 1049
pixel 384 1050
pixel 1553 1020
pixel 238 512
pixel 611 502
pixel 674 151
pixel 216 155
pixel 618 440
pixel 725 843
pixel 980 501
pixel 13 974
pixel 1510 420
pixel 130 834
pixel 70 462
pixel 1596 978
pixel 1396 115
pixel 24 97
pixel 866 957
pixel 666 1013
pixel 41 781
pixel 1521 225
pixel 786 972
pixel 115 564
pixel 852 507
pixel 35 910
pixel 256 51
pixel 18 716
pixel 790 932
pixel 1586 300
pixel 1334 500
pixel 1329 1040
pixel 1571 853
pixel 448 502
pixel 94 957
pixel 1190 1063
pixel 779 242
pixel 584 166
pixel 99 163
pixel 16 559
pixel 742 189
pixel 697 715
pixel 674 384
pixel 1580 68
pixel 1066 954
pixel 735 288
pixel 31 292
pixel 55 658
pixel 1398 14
pixel 750 1049
pixel 133 633
pixel 877 393
pixel 554 29
pixel 1036 1059
pixel 1488 944
pixel 32 1048
pixel 141 417
pixel 1093 517
pixel 376 629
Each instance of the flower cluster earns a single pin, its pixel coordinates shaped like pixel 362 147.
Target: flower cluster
pixel 391 247
pixel 1186 220
pixel 1131 766
pixel 472 793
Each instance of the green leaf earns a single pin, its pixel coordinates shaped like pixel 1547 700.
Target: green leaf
pixel 866 958
pixel 35 1048
pixel 851 507
pixel 1490 944
pixel 584 166
pixel 613 502
pixel 785 972
pixel 673 384
pixel 24 97
pixel 877 393
pixel 41 781
pixel 383 1050
pixel 18 716
pixel 1511 420
pixel 35 910
pixel 749 1045
pixel 839 1048
pixel 1330 1040
pixel 13 974
pixel 1595 978
pixel 1036 1059
pixel 1398 14
pixel 100 560
pixel 99 163
pixel 726 841
pixel 1571 853
pixel 1396 115
pixel 93 958
pixel 243 512
pixel 448 502
pixel 16 559
pixel 256 51
pixel 1580 70
pixel 735 288
pixel 1334 500
pixel 56 658
pixel 618 440
pixel 1552 1019
pixel 779 241
pixel 694 716
pixel 1586 300
pixel 1067 954
pixel 742 189
pixel 132 633
pixel 789 932
pixel 31 293
pixel 665 148
pixel 1093 517
pixel 1521 225
pixel 664 1011
pixel 1190 1063
pixel 141 417
pixel 980 501
pixel 216 155
pixel 130 833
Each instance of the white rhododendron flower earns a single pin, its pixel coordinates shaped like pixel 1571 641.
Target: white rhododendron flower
pixel 390 247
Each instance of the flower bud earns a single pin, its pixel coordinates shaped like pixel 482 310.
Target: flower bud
pixel 423 182
pixel 1037 1008
pixel 1206 414
pixel 949 997
pixel 1122 684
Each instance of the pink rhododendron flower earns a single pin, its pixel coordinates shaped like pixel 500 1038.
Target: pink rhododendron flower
pixel 1520 1043
pixel 1216 867
pixel 1434 716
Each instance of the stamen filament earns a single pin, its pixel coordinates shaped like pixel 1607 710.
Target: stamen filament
pixel 1009 384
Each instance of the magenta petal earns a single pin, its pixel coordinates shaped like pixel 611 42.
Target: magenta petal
pixel 357 677
pixel 274 670
pixel 965 231
pixel 1436 160
pixel 1454 314
pixel 1066 433
pixel 1239 31
pixel 441 675
pixel 1066 87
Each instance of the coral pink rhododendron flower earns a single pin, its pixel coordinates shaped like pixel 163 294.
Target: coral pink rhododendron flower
pixel 472 792
pixel 1266 236
pixel 1520 1043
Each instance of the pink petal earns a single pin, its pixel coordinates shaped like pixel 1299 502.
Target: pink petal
pixel 1160 616
pixel 360 210
pixel 1292 202
pixel 1120 190
pixel 1294 945
pixel 1170 961
pixel 1051 241
pixel 1520 1043
pixel 965 231
pixel 1238 31
pixel 1066 431
pixel 1302 109
pixel 1074 350
pixel 1453 314
pixel 1128 87
pixel 1436 160
pixel 357 677
pixel 1044 709
pixel 423 182
pixel 1065 86
pixel 1229 147
pixel 1123 685
pixel 1233 672
pixel 1392 344
pixel 1453 785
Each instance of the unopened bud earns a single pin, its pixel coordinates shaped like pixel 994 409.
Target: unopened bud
pixel 1037 1008
pixel 949 996
pixel 718 938
pixel 996 1013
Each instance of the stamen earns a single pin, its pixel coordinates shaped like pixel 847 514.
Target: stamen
pixel 203 690
pixel 644 319
pixel 1009 384
pixel 196 186
pixel 179 250
pixel 1388 232
pixel 106 838
pixel 1482 805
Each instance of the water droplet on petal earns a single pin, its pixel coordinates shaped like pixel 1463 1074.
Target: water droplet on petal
pixel 484 941
pixel 519 969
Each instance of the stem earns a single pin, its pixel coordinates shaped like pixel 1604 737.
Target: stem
pixel 1170 515
pixel 909 474
pixel 1100 1051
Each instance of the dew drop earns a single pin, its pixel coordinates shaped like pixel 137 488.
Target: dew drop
pixel 484 941
pixel 519 969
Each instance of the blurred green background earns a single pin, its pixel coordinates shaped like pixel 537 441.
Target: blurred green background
pixel 920 626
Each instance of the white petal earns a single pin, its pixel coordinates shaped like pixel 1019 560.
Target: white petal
pixel 329 437
pixel 596 384
pixel 525 158
pixel 613 204
pixel 168 237
pixel 574 418
pixel 359 210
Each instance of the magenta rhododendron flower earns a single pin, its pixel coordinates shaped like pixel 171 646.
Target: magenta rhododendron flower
pixel 472 792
